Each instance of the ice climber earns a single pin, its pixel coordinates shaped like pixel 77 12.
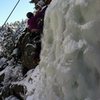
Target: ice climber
pixel 33 31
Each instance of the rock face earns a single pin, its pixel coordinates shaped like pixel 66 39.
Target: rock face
pixel 16 90
pixel 70 54
pixel 27 51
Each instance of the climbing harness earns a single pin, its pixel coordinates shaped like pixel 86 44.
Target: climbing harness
pixel 11 13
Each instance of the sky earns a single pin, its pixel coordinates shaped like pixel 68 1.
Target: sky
pixel 19 13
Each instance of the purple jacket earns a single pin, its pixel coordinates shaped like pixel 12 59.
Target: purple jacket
pixel 30 23
pixel 36 22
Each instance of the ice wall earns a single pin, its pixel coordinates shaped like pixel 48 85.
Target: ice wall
pixel 70 57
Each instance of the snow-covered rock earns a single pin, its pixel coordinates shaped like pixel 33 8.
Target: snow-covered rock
pixel 10 71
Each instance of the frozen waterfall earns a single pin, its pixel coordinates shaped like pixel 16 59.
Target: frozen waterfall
pixel 70 57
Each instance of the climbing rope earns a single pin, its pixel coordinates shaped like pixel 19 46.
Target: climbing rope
pixel 11 13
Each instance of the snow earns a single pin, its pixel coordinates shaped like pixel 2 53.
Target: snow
pixel 11 98
pixel 2 61
pixel 29 81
